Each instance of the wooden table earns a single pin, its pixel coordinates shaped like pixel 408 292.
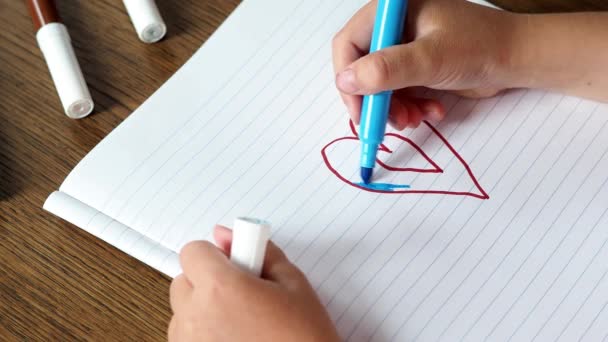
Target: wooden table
pixel 56 281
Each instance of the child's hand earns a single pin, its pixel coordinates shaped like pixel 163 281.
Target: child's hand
pixel 472 50
pixel 452 45
pixel 213 300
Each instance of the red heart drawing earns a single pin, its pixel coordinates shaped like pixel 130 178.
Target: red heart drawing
pixel 434 168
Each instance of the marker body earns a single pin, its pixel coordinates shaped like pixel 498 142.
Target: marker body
pixel 55 44
pixel 43 12
pixel 249 240
pixel 388 30
pixel 146 19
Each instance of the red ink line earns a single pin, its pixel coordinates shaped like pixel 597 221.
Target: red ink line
pixel 353 129
pixel 462 161
pixel 436 168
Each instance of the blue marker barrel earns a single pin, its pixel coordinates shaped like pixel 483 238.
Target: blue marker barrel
pixel 388 30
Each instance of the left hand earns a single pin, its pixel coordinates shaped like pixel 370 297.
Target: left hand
pixel 213 300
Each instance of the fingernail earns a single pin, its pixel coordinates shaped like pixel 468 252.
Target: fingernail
pixel 346 81
pixel 434 116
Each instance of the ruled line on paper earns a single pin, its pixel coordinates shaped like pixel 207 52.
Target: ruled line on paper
pixel 544 236
pixel 184 166
pixel 300 184
pixel 396 200
pixel 560 273
pixel 406 240
pixel 517 271
pixel 466 249
pixel 315 239
pixel 341 236
pixel 581 275
pixel 217 155
pixel 329 177
pixel 413 180
pixel 242 110
pixel 583 304
pixel 375 249
pixel 260 156
pixel 274 210
pixel 169 229
pixel 453 260
pixel 403 269
pixel 218 132
pixel 554 192
pixel 292 215
pixel 284 178
pixel 501 178
pixel 592 323
pixel 308 153
pixel 205 102
pixel 410 287
pixel 452 239
pixel 337 214
pixel 205 210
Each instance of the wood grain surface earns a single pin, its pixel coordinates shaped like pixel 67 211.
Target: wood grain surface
pixel 56 281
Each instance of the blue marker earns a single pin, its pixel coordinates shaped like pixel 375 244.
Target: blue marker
pixel 388 30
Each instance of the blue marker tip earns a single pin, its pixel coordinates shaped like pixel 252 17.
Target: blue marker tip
pixel 366 174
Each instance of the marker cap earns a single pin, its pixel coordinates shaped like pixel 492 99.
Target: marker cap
pixel 146 19
pixel 55 44
pixel 249 240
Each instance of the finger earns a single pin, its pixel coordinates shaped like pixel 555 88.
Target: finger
pixel 415 115
pixel 180 292
pixel 431 109
pixel 201 260
pixel 353 106
pixel 404 113
pixel 279 269
pixel 353 40
pixel 350 44
pixel 477 93
pixel 396 67
pixel 398 116
pixel 223 238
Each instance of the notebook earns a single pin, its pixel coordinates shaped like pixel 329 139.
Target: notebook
pixel 491 225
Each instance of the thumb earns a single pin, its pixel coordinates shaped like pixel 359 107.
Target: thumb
pixel 395 67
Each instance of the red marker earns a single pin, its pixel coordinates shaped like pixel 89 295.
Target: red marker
pixel 54 41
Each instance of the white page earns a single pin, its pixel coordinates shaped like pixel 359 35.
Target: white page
pixel 239 130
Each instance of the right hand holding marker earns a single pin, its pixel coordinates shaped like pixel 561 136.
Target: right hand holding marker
pixel 214 300
pixel 450 45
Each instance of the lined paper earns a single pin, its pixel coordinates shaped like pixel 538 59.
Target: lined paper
pixel 503 238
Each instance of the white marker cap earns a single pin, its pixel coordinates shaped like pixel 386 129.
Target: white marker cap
pixel 54 41
pixel 249 240
pixel 148 23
